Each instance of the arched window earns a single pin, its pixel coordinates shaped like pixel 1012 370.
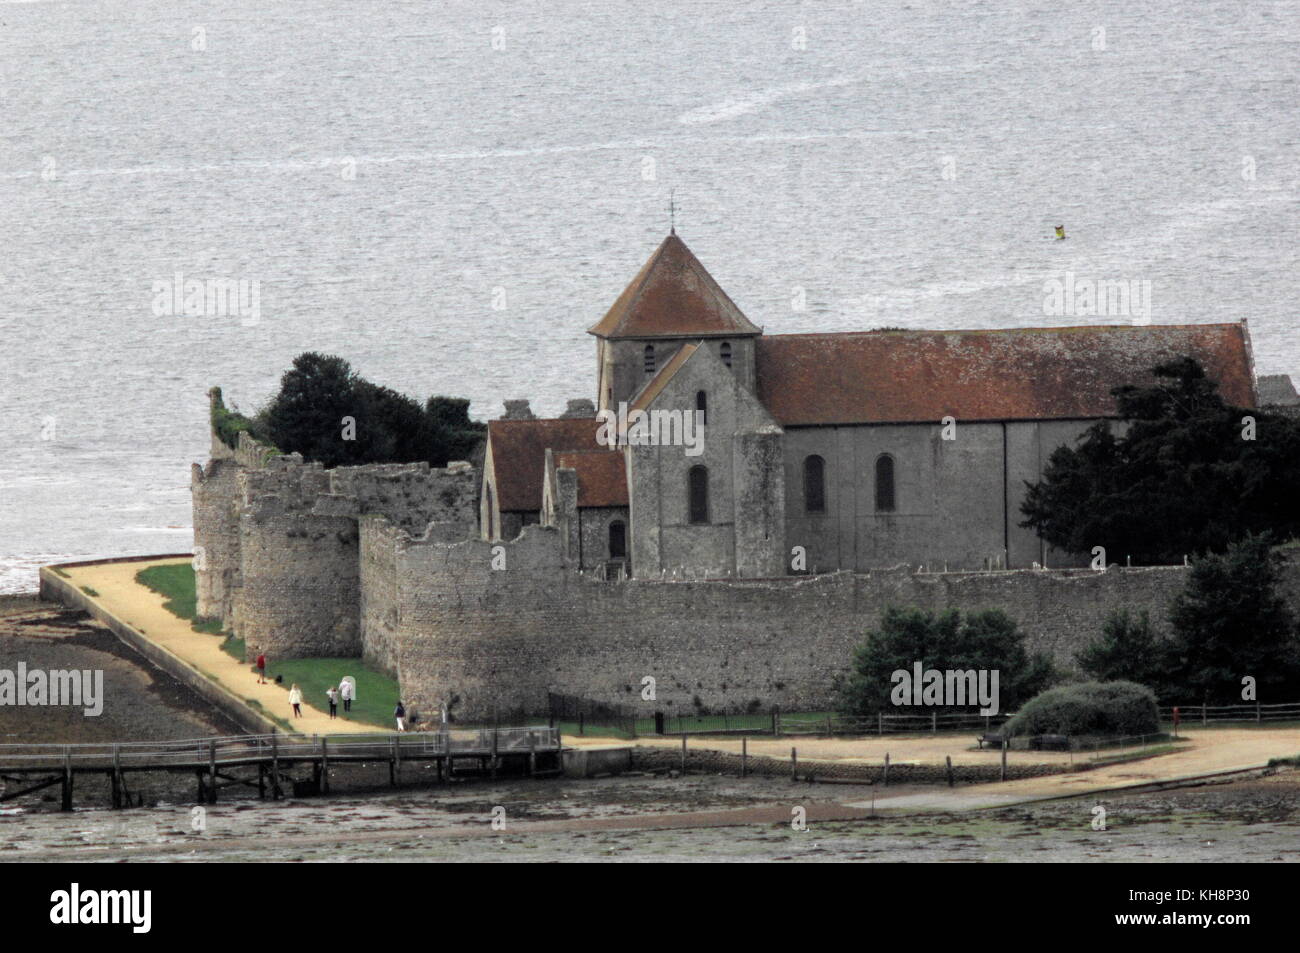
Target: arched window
pixel 884 483
pixel 618 540
pixel 699 494
pixel 702 405
pixel 649 358
pixel 814 484
pixel 725 352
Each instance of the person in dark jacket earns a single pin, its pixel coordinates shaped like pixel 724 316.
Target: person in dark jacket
pixel 400 714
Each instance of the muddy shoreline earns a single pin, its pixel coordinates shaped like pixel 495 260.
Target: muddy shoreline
pixel 639 818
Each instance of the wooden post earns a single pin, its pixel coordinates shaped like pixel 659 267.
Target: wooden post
pixel 1258 718
pixel 934 721
pixel 1004 758
pixel 776 731
pixel 683 755
pixel 581 727
pixel 66 804
pixel 397 758
pixel 949 759
pixel 495 734
pixel 885 780
pixel 744 756
pixel 829 732
pixel 532 756
pixel 275 766
pixel 261 780
pixel 324 766
pixel 212 771
pixel 880 722
pixel 794 765
pixel 1203 718
pixel 117 776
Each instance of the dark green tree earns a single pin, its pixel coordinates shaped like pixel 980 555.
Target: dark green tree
pixel 307 414
pixel 455 435
pixel 332 416
pixel 987 640
pixel 1179 479
pixel 1127 649
pixel 1230 622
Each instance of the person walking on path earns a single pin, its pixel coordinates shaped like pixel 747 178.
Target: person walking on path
pixel 333 693
pixel 400 714
pixel 345 690
pixel 261 668
pixel 295 699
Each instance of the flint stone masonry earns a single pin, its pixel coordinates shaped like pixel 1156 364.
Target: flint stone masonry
pixel 493 643
pixel 278 552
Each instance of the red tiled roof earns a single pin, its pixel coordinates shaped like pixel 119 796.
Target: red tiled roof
pixel 602 476
pixel 519 454
pixel 1012 374
pixel 673 296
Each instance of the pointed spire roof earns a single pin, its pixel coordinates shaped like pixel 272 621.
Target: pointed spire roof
pixel 672 296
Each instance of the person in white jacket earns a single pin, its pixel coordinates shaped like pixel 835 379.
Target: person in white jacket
pixel 295 699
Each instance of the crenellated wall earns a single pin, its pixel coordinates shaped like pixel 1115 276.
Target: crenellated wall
pixel 278 551
pixel 494 642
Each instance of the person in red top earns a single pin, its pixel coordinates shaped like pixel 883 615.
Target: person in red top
pixel 261 668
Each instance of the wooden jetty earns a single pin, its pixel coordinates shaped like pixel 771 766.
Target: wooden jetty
pixel 268 762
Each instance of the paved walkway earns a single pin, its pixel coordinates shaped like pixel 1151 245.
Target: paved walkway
pixel 142 609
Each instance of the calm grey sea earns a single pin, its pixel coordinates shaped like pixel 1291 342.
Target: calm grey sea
pixel 449 193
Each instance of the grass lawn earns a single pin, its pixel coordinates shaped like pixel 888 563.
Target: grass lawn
pixel 376 692
pixel 176 585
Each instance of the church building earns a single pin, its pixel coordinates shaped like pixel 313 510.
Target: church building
pixel 817 452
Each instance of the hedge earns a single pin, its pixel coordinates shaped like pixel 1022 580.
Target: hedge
pixel 1089 708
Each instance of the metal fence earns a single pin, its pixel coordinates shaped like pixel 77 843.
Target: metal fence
pixel 581 716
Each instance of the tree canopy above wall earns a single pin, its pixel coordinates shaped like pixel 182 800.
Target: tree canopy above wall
pixel 1191 474
pixel 331 415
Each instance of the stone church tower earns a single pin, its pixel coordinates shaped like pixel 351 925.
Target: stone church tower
pixel 671 302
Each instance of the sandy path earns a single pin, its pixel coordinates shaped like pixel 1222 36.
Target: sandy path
pixel 1208 751
pixel 142 609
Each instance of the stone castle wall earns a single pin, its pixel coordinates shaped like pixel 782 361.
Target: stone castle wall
pixel 494 642
pixel 278 551
pixel 385 562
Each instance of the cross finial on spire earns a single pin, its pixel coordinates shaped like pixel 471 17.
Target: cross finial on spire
pixel 672 212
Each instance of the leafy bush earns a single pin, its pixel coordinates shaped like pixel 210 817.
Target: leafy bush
pixel 987 640
pixel 1127 649
pixel 229 424
pixel 1089 708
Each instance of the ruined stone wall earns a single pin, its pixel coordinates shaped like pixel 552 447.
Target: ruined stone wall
pixel 216 536
pixel 495 642
pixel 378 591
pixel 278 556
pixel 411 495
pixel 300 593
